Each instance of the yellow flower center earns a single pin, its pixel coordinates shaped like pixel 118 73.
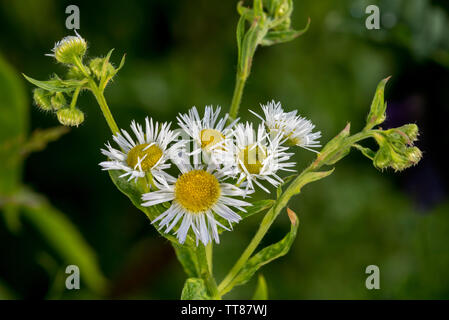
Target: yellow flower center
pixel 151 154
pixel 197 191
pixel 252 158
pixel 210 137
pixel 290 140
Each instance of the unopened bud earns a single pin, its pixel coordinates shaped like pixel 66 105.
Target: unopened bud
pixel 96 65
pixel 70 116
pixel 75 73
pixel 58 101
pixel 414 155
pixel 411 130
pixel 69 49
pixel 41 99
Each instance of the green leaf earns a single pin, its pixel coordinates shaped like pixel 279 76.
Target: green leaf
pixel 275 37
pixel 261 292
pixel 240 35
pixel 13 127
pixel 267 254
pixel 367 152
pixel 286 181
pixel 122 63
pixel 335 149
pixel 308 177
pixel 377 113
pixel 56 84
pixel 187 257
pixel 194 289
pixel 134 193
pixel 64 238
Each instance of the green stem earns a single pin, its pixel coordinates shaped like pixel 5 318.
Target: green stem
pixel 237 97
pixel 205 273
pixel 209 255
pixel 104 107
pixel 75 98
pixel 98 96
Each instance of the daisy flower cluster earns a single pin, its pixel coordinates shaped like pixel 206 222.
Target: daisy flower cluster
pixel 218 164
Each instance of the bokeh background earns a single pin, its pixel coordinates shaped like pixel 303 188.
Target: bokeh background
pixel 58 208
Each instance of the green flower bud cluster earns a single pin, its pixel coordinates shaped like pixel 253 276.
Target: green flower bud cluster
pixel 55 101
pixel 49 101
pixel 396 149
pixel 396 145
pixel 51 95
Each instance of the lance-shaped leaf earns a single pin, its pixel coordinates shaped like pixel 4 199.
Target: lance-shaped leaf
pixel 194 289
pixel 187 257
pixel 367 152
pixel 377 113
pixel 306 178
pixel 56 84
pixel 335 149
pixel 261 292
pixel 286 181
pixel 274 37
pixel 269 253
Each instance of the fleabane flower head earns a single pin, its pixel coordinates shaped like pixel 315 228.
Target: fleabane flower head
pixel 295 129
pixel 147 154
pixel 69 49
pixel 208 133
pixel 256 156
pixel 199 199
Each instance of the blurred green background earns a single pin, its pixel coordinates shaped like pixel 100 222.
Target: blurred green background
pixel 59 208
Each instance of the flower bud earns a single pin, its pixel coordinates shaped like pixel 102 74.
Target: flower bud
pixel 411 131
pixel 414 155
pixel 70 116
pixel 68 49
pixel 96 65
pixel 393 151
pixel 58 101
pixel 75 73
pixel 41 99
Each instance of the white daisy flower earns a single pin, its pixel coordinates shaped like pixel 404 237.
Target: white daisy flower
pixel 147 155
pixel 198 198
pixel 257 156
pixel 296 129
pixel 207 133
